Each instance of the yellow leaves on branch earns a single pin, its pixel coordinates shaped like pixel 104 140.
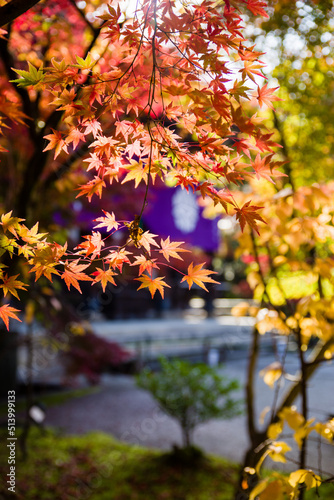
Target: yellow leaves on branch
pixel 198 276
pixel 272 373
pixel 304 476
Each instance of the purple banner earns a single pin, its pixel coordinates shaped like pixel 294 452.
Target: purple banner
pixel 175 212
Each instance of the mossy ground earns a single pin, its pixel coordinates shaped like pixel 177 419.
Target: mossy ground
pixel 97 467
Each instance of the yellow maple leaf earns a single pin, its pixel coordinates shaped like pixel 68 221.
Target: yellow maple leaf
pixel 32 235
pixel 11 284
pixel 10 223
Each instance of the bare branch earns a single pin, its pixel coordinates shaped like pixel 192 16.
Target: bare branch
pixel 14 9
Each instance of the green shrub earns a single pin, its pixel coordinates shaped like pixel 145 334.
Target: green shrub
pixel 191 393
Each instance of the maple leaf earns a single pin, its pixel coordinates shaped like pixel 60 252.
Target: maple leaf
pixel 26 250
pixel 137 172
pixel 256 7
pixel 10 223
pixel 93 244
pixel 73 273
pixel 92 126
pixel 134 149
pixel 118 258
pixel 185 181
pixel 261 168
pixel 264 169
pixel 146 240
pixel 92 187
pixel 250 69
pixel 87 63
pixel 247 214
pixel 265 96
pixel 32 235
pixel 104 145
pixel 6 312
pixel 11 284
pixel 56 142
pixel 7 244
pixel 75 136
pixel 32 77
pixel 108 221
pixel 152 284
pixel 198 276
pixel 144 264
pixel 104 277
pixel 170 249
pixel 46 259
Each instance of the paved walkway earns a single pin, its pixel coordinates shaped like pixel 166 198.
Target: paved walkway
pixel 131 414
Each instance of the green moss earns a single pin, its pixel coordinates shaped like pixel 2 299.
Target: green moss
pixel 97 467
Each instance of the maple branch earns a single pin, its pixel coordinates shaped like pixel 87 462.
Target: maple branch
pixel 287 166
pixel 312 364
pixel 13 9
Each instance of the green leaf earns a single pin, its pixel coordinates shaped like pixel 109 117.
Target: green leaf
pixel 27 78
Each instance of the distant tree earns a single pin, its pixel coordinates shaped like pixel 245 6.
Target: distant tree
pixel 191 393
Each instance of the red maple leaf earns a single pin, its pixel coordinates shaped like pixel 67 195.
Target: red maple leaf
pixel 247 214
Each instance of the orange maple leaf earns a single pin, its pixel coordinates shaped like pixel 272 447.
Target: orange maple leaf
pixel 198 276
pixel 104 277
pixel 56 142
pixel 247 214
pixel 144 264
pixel 93 245
pixel 73 274
pixel 92 187
pixel 6 312
pixel 265 96
pixel 152 284
pixel 11 284
pixel 118 258
pixel 170 249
